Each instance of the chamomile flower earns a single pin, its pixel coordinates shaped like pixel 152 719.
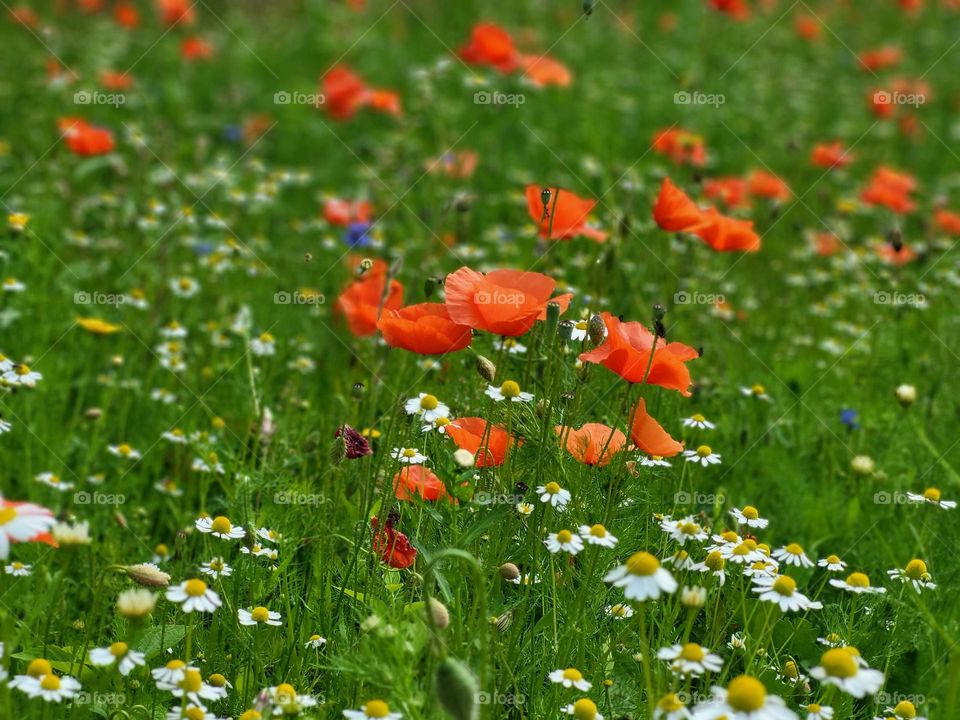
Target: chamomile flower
pixel 681 560
pixel 259 551
pixel 552 493
pixel 914 573
pixel 583 709
pixel 170 675
pixel 184 287
pixel 744 698
pixel 816 711
pixel 52 688
pixel 192 711
pixel 210 463
pixel 857 582
pixel 761 569
pixel 510 390
pixel 191 687
pixel 698 421
pixel 715 563
pixel 372 710
pixel 12 285
pixel 176 436
pixel 524 509
pixel 38 668
pixel 578 332
pixel 194 596
pixel 220 527
pixel 168 487
pixel 743 553
pixel 22 375
pixel 781 590
pixel 439 424
pixel 833 563
pixel 264 345
pixel 269 535
pixel 18 569
pixel 597 535
pixel 53 480
pixel 792 554
pixel 703 455
pixel 565 541
pixel 125 451
pixel 259 616
pixel 315 642
pixel 690 659
pixel 408 456
pixel 932 496
pixel 755 391
pixel 570 678
pixel 510 345
pixel 843 668
pixel 642 578
pixel 683 530
pixel 671 707
pixel 121 654
pixel 904 710
pixel 216 568
pixel 619 611
pixel 750 517
pixel 427 407
pixel 653 461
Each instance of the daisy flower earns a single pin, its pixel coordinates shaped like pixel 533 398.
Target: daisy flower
pixel 703 455
pixel 744 553
pixel 264 345
pixel 408 456
pixel 857 582
pixel 439 424
pixel 642 578
pixel 17 569
pixel 52 688
pixel 120 653
pixel 755 391
pixel 168 487
pixel 554 494
pixel 315 642
pixel 671 707
pixel 269 535
pixel 744 698
pixel 176 436
pixel 193 711
pixel 681 560
pixel 782 591
pixel 220 527
pixel 170 675
pixel 715 564
pixel 619 611
pixel 761 569
pixel 597 535
pixel 750 517
pixel 698 421
pixel 564 541
pixel 53 480
pixel 844 668
pixel 510 345
pixel 583 709
pixel 832 563
pixel 510 390
pixel 372 710
pixel 38 668
pixel 570 678
pixel 194 595
pixel 690 659
pixel 819 712
pixel 683 530
pixel 124 451
pixel 904 709
pixel 22 375
pixel 259 616
pixel 184 287
pixel 427 407
pixel 11 284
pixel 914 573
pixel 653 461
pixel 932 495
pixel 524 509
pixel 792 554
pixel 578 331
pixel 216 568
pixel 191 687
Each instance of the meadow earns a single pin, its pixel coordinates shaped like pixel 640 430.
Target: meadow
pixel 422 359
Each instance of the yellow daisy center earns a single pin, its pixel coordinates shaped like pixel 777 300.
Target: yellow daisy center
pixel 813 708
pixel 915 569
pixel 794 549
pixel 697 417
pixel 746 694
pixel 573 675
pixel 552 488
pixel 839 663
pixel 260 614
pixel 932 494
pixel 715 561
pixel 758 390
pixel 598 531
pixel 729 536
pixel 7 514
pixel 564 536
pixel 742 549
pixel 217 680
pixel 791 670
pixel 192 682
pixel 619 610
pixel 692 652
pixel 670 703
pixel 409 452
pixel 858 579
pixel 285 693
pixel 376 709
pixel 221 525
pixel 689 528
pixel 584 709
pixel 195 588
pixel 194 713
pixel 429 402
pixel 50 682
pixel 119 649
pixel 905 709
pixel 704 451
pixel 833 559
pixel 784 585
pixel 642 563
pixel 175 665
pixel 38 668
pixel 750 512
pixel 510 389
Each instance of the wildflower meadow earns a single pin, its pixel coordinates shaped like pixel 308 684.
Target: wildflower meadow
pixel 421 359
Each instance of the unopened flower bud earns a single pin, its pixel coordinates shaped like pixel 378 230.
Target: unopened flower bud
pixel 464 458
pixel 457 689
pixel 693 597
pixel 596 329
pixel 148 574
pixel 487 370
pixel 509 571
pixel 906 395
pixel 863 465
pixel 439 614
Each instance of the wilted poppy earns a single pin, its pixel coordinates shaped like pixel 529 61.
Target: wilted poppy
pixel 362 300
pixel 503 302
pixel 592 444
pixel 674 211
pixel 469 433
pixel 626 351
pixel 491 45
pixel 831 155
pixel 425 329
pixel 392 546
pixel 415 480
pixel 565 215
pixel 84 139
pixel 649 436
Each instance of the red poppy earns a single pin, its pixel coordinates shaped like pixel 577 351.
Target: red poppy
pixel 385 101
pixel 543 70
pixel 570 213
pixel 592 444
pixel 731 191
pixel 626 351
pixel 392 546
pixel 345 93
pixel 195 48
pixel 680 146
pixel 727 234
pixel 890 189
pixel 126 15
pixel 737 9
pixel 90 7
pixel 469 432
pixel 425 329
pixel 674 211
pixel 116 80
pixel 84 139
pixel 826 244
pixel 346 212
pixel 503 302
pixel 808 27
pixel 878 59
pixel 491 45
pixel 767 185
pixel 897 255
pixel 456 165
pixel 831 155
pixel 176 12
pixel 24 15
pixel 947 220
pixel 649 436
pixel 416 480
pixel 362 300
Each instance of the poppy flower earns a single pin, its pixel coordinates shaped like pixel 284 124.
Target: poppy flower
pixel 897 255
pixel 881 58
pixel 419 480
pixel 680 146
pixel 947 221
pixel 425 329
pixel 392 546
pixel 761 183
pixel 84 139
pixel 731 191
pixel 345 93
pixel 469 432
pixel 593 443
pixel 570 213
pixel 456 165
pixel 360 303
pixel 831 155
pixel 826 244
pixel 344 212
pixel 736 9
pixel 23 15
pixel 116 80
pixel 503 302
pixel 808 27
pixel 176 12
pixel 674 211
pixel 543 70
pixel 890 189
pixel 195 48
pixel 491 45
pixel 626 351
pixel 727 234
pixel 649 436
pixel 385 101
pixel 91 7
pixel 126 15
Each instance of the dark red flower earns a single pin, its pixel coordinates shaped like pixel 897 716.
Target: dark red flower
pixel 392 546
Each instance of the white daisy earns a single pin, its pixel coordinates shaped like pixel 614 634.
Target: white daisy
pixel 653 461
pixel 698 421
pixel 703 455
pixel 914 573
pixel 565 541
pixel 409 456
pixel 427 407
pixel 683 530
pixel 264 345
pixel 857 582
pixel 932 495
pixel 259 616
pixel 510 345
pixel 194 595
pixel 744 698
pixel 690 659
pixel 843 667
pixel 755 391
pixel 570 678
pixel 819 712
pixel 642 578
pixel 792 554
pixel 782 591
pixel 51 688
pixel 125 451
pixel 119 652
pixel 619 611
pixel 220 527
pixel 554 494
pixel 749 516
pixel 53 480
pixel 372 710
pixel 216 568
pixel 184 287
pixel 833 563
pixel 510 390
pixel 597 535
pixel 583 709
pixel 315 642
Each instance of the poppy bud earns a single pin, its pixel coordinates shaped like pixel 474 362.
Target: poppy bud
pixel 148 574
pixel 545 195
pixel 596 329
pixel 553 318
pixel 487 370
pixel 509 571
pixel 658 312
pixel 565 330
pixel 357 390
pixel 457 690
pixel 438 613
